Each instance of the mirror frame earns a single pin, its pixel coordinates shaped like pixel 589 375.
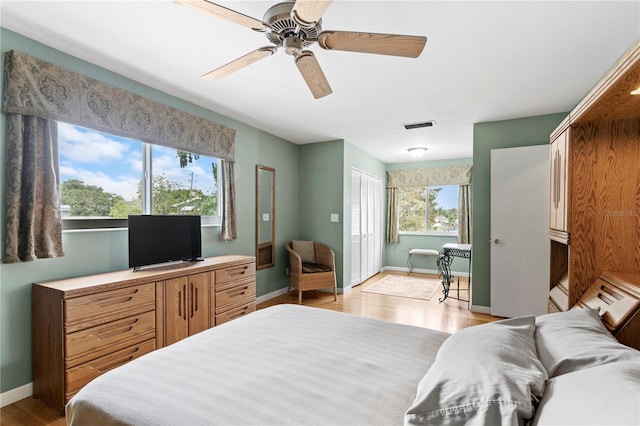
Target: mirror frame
pixel 265 252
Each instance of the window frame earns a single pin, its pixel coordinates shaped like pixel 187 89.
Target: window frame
pixel 453 233
pixel 80 223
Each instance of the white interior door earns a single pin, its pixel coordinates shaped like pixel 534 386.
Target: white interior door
pixel 519 231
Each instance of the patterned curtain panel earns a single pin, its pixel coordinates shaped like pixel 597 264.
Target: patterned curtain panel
pixel 455 175
pixel 464 215
pixel 34 224
pixel 228 230
pixel 393 225
pixel 38 88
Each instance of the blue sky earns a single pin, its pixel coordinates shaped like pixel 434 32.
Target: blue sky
pixel 115 163
pixel 448 197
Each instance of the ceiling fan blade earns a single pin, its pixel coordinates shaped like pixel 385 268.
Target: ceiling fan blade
pixel 224 13
pixel 381 44
pixel 312 74
pixel 241 62
pixel 307 12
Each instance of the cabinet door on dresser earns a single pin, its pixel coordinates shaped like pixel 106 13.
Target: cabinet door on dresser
pixel 186 306
pixel 559 178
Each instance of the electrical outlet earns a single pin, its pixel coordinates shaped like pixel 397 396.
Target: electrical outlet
pixel 335 217
pixel 286 271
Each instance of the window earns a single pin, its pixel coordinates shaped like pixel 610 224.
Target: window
pixel 429 209
pixel 104 178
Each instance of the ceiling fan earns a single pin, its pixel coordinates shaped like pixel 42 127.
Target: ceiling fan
pixel 296 25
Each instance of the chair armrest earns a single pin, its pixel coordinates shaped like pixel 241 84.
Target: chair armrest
pixel 295 263
pixel 324 255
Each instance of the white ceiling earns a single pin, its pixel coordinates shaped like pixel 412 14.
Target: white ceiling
pixel 484 61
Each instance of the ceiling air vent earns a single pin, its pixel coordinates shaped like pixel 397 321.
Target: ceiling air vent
pixel 419 125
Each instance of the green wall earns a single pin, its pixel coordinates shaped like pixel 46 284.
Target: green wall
pixel 91 252
pixel 321 192
pixel 487 136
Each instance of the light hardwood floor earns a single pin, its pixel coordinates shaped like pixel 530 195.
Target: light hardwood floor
pixel 449 316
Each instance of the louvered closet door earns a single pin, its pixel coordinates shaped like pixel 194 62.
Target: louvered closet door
pixel 366 226
pixel 356 233
pixel 371 227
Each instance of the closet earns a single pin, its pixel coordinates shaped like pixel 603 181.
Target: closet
pixel 366 226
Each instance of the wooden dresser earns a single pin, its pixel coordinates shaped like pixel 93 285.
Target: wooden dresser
pixel 85 326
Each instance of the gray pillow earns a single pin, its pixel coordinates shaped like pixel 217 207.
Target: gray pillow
pixel 304 249
pixel 608 394
pixel 576 339
pixel 487 374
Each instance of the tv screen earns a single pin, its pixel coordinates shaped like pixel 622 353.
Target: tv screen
pixel 157 239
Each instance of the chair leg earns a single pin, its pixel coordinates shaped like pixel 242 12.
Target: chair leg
pixel 299 297
pixel 335 293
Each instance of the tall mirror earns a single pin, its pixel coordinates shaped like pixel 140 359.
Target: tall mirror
pixel 265 216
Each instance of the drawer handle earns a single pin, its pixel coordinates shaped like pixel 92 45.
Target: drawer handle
pixel 242 312
pixel 238 292
pixel 122 328
pixel 108 301
pixel 237 272
pixel 106 366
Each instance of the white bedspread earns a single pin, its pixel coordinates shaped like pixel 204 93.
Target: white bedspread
pixel 286 364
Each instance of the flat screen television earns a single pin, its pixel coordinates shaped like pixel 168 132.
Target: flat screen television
pixel 155 239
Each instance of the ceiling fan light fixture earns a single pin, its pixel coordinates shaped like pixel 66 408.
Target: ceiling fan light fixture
pixel 417 152
pixel 636 91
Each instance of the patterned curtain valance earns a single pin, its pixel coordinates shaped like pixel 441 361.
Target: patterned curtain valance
pixel 454 175
pixel 37 88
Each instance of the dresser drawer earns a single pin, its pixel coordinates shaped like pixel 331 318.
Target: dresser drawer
pixel 95 342
pixel 234 292
pixel 77 377
pixel 234 273
pixel 86 311
pixel 237 310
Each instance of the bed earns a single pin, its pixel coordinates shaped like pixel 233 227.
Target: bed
pixel 291 364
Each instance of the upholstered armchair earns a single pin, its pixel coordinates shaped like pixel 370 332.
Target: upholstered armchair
pixel 312 267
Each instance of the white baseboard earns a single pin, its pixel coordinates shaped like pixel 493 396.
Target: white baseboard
pixel 480 309
pixel 271 295
pixel 15 395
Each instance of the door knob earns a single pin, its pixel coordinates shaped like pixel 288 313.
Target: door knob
pixel 497 241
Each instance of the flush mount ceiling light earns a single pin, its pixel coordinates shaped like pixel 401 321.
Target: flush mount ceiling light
pixel 417 151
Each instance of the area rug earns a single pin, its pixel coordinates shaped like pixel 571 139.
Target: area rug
pixel 405 286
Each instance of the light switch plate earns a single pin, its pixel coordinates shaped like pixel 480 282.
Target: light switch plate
pixel 335 217
pixel 265 217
